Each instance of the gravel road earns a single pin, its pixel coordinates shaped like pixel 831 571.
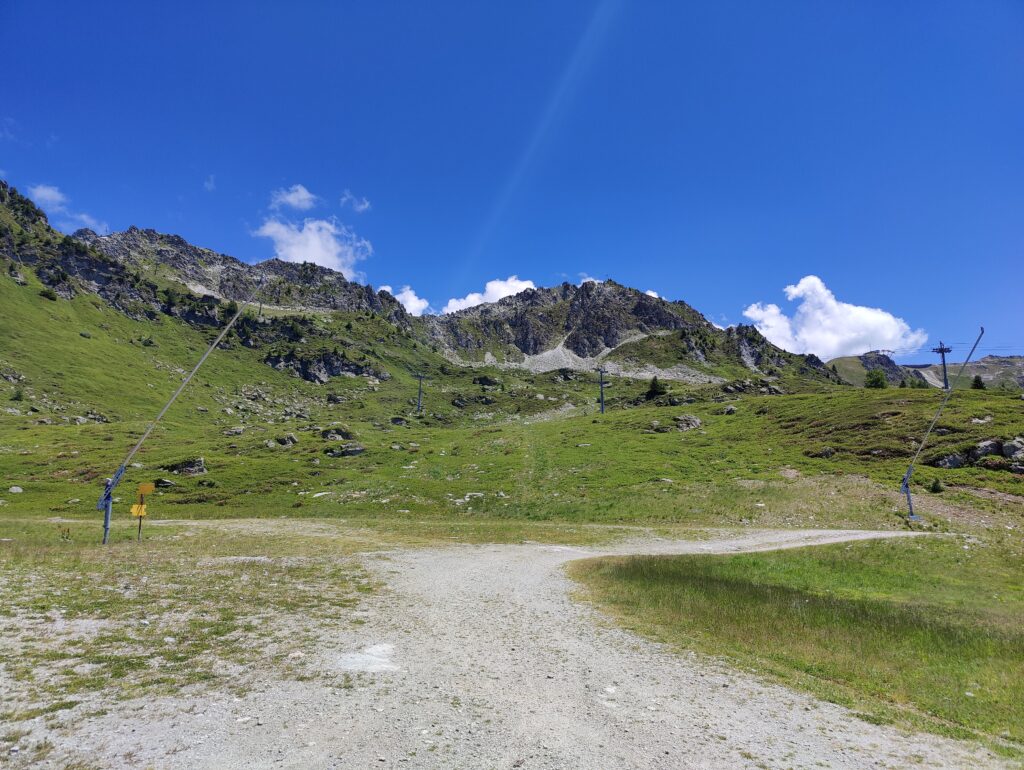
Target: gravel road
pixel 477 657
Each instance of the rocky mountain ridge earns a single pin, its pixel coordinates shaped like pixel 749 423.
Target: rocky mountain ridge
pixel 144 273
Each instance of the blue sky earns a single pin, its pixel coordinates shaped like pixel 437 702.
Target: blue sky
pixel 713 152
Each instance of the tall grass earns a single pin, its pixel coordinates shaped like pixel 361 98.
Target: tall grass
pixel 914 640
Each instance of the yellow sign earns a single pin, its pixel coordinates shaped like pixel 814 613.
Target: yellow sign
pixel 147 489
pixel 138 510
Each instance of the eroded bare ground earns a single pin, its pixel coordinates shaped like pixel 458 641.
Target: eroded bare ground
pixel 476 656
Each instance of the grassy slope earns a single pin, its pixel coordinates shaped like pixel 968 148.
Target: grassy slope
pixel 898 629
pixel 850 369
pixel 535 471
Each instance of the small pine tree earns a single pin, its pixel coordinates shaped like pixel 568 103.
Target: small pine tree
pixel 876 379
pixel 977 383
pixel 936 486
pixel 903 383
pixel 655 389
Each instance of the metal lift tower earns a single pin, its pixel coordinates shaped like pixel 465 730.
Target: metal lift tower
pixel 942 350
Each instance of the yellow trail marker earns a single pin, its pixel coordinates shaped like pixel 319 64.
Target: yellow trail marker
pixel 139 509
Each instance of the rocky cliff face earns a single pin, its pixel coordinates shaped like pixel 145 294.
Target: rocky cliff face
pixel 283 284
pixel 894 373
pixel 585 320
pixel 576 327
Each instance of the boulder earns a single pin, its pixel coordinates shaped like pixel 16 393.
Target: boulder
pixel 15 490
pixel 687 422
pixel 824 453
pixel 238 430
pixel 488 382
pixel 951 461
pixel 164 483
pixel 339 433
pixel 1014 450
pixel 399 421
pixel 288 439
pixel 730 409
pixel 985 448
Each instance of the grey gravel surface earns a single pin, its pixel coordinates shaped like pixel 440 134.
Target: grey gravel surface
pixel 478 657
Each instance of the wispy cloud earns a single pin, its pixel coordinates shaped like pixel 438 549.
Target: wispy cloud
pixel 652 293
pixel 210 184
pixel 325 242
pixel 359 205
pixel 296 197
pixel 413 305
pixel 55 203
pixel 493 291
pixel 7 126
pixel 829 328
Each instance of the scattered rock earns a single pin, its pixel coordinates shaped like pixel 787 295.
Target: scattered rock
pixel 15 490
pixel 981 420
pixel 486 381
pixel 190 467
pixel 238 430
pixel 399 421
pixel 824 453
pixel 337 434
pixel 164 483
pixel 730 409
pixel 346 450
pixel 287 439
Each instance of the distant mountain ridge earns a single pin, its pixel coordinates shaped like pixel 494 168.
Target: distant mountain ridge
pixel 274 281
pixel 142 273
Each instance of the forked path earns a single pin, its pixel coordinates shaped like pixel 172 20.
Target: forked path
pixel 477 657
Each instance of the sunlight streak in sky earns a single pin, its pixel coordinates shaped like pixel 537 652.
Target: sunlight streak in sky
pixel 587 48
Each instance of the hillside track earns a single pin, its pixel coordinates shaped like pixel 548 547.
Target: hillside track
pixel 479 657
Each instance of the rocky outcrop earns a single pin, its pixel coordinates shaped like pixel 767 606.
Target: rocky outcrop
pixel 194 466
pixel 894 373
pixel 273 282
pixel 576 327
pixel 320 368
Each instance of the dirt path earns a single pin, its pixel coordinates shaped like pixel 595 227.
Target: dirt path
pixel 476 657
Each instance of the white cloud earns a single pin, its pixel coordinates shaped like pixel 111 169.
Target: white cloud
pixel 325 242
pixel 48 195
pixel 829 328
pixel 210 184
pixel 55 203
pixel 652 293
pixel 584 278
pixel 359 205
pixel 413 305
pixel 296 197
pixel 493 291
